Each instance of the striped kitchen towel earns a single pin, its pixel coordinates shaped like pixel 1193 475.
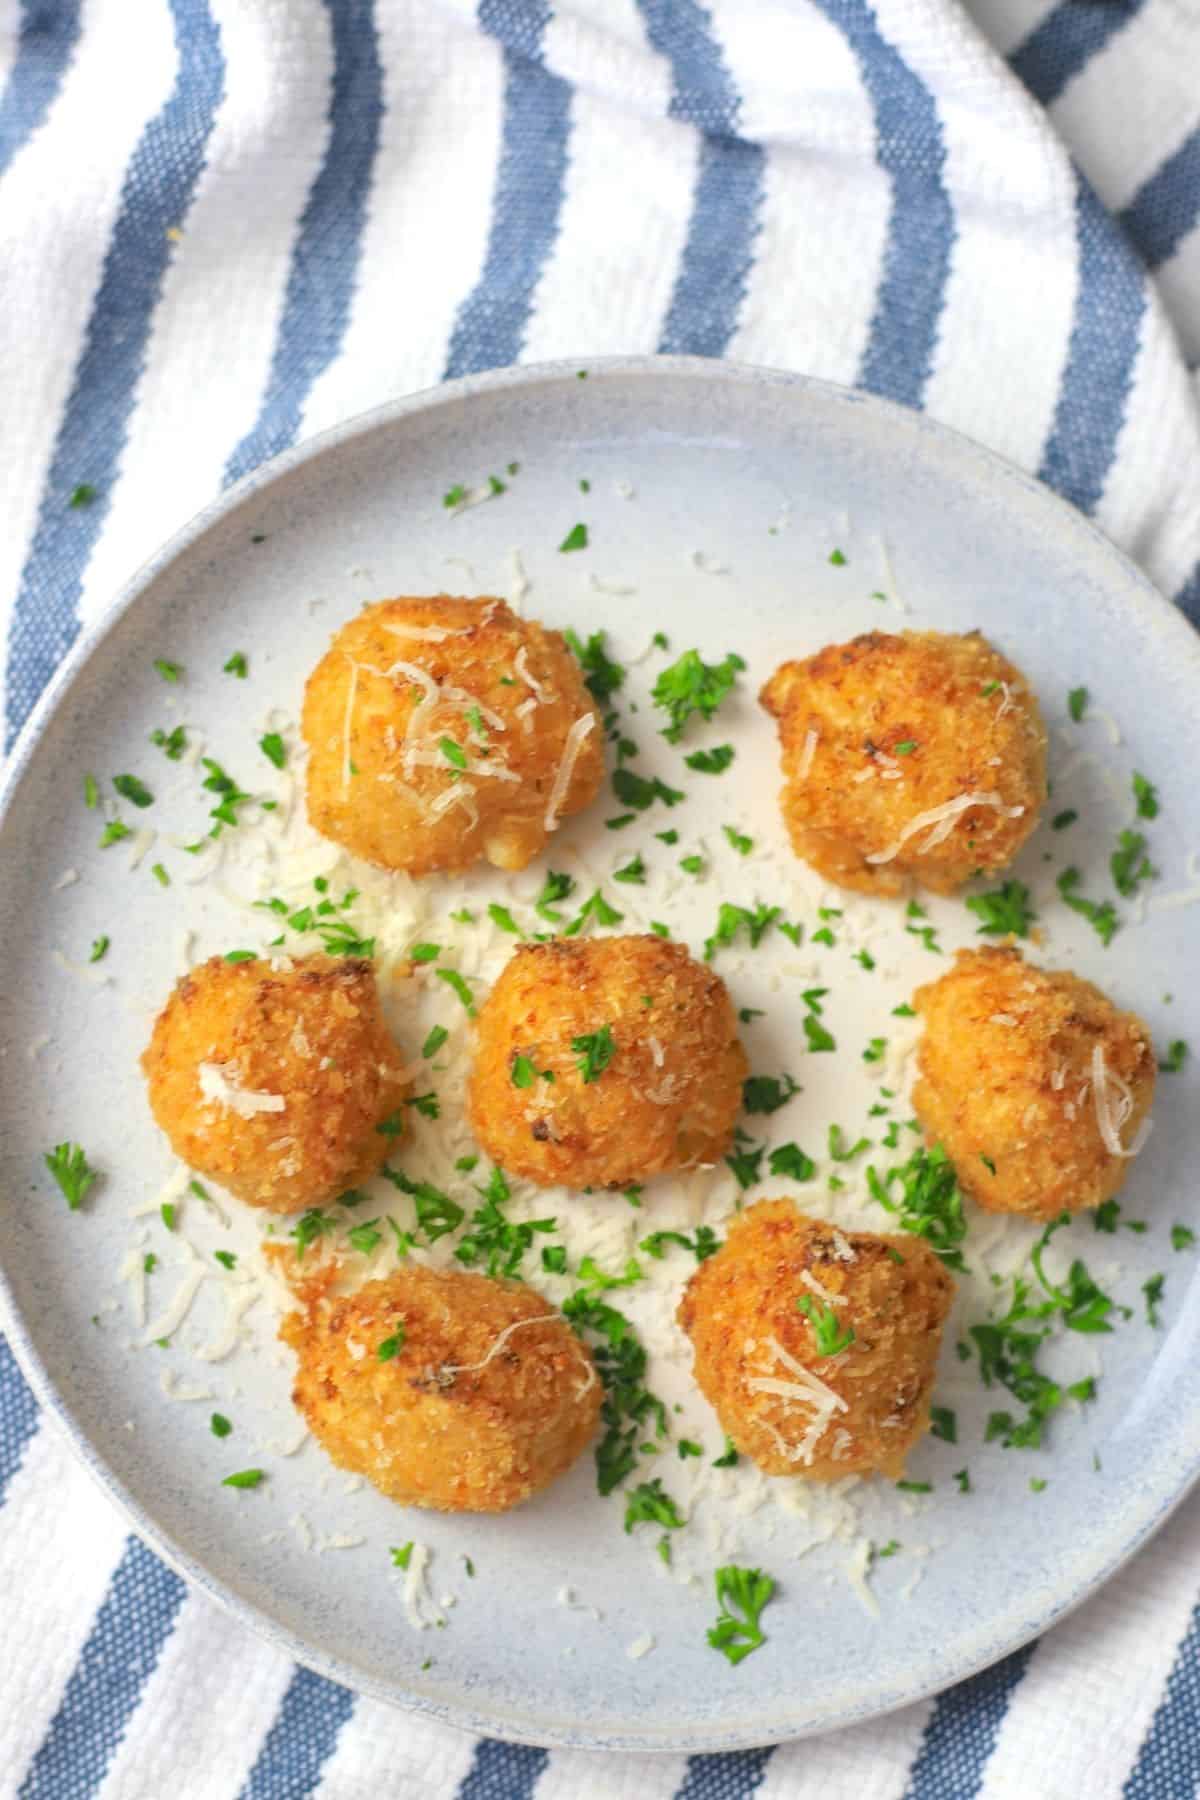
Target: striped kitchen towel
pixel 229 223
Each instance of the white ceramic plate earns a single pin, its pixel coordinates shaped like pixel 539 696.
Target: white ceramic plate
pixel 716 497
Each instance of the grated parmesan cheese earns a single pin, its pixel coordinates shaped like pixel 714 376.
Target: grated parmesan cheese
pixel 217 1087
pixel 566 768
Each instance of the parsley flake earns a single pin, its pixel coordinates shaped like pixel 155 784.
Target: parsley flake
pixel 741 1595
pixel 691 685
pixel 595 1050
pixel 72 1171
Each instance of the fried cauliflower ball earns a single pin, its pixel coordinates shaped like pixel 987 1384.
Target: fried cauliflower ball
pixel 600 1063
pixel 919 757
pixel 817 1347
pixel 1032 1082
pixel 445 1389
pixel 276 1082
pixel 441 731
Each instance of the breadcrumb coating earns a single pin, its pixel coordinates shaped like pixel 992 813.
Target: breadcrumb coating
pixel 275 1081
pixel 1008 1071
pixel 670 1086
pixel 919 757
pixel 442 732
pixel 757 1311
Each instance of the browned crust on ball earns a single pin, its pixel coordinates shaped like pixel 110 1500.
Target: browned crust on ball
pixel 851 788
pixel 313 1034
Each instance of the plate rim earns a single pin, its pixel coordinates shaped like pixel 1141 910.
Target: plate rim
pixel 1140 595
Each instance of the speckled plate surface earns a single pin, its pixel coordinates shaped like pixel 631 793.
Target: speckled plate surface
pixel 716 496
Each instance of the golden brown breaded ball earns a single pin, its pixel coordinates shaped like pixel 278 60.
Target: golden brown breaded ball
pixel 445 1389
pixel 443 731
pixel 817 1347
pixel 920 757
pixel 1032 1082
pixel 602 1062
pixel 275 1082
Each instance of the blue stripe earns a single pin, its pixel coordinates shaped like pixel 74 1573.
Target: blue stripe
pixel 1100 359
pixel 46 42
pixel 123 1647
pixel 733 1776
pixel 301 1739
pixel 1066 41
pixel 961 1733
pixel 158 187
pixel 502 1771
pixel 1188 597
pixel 1168 1763
pixel 910 149
pixel 328 249
pixel 490 328
pixel 18 1416
pixel 719 252
pixel 1165 207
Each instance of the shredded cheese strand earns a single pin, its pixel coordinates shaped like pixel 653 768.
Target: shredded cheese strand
pixel 566 768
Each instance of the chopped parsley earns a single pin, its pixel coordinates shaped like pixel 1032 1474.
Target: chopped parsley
pixel 767 1093
pixel 1061 820
pixel 236 665
pixel 149 1263
pixel 453 752
pixel 310 1226
pixel 831 1340
pixel 906 748
pixel 273 748
pixel 71 1170
pixel 219 1425
pixel 133 790
pixel 728 1458
pixel 1005 910
pixel 1146 795
pixel 842 1151
pixel 963 1478
pixel 458 985
pixel 160 874
pixel 433 1043
pixel 706 1243
pixel 82 495
pixel 500 915
pixel 171 743
pixel 815 1032
pixel 1177 1055
pixel 790 1160
pixel 943 1422
pixel 743 845
pixel 1077 701
pixel 597 908
pixel 402 1556
pixel 556 886
pixel 1101 916
pixel 634 870
pixel 745 1162
pixel 226 1258
pixel 636 791
pixel 91 793
pixel 1182 1237
pixel 1152 1293
pixel 926 933
pixel 245 1478
pixel 711 762
pixel 454 496
pixel 170 671
pixel 594 1050
pixel 686 1448
pixel 741 1595
pixel 391 1346
pixel 837 559
pixel 692 865
pixel 914 1487
pixel 929 1204
pixel 621 1364
pixel 554 1259
pixel 423 953
pixel 875 1050
pixel 1129 863
pixel 437 1214
pixel 691 685
pixel 576 539
pixel 602 677
pixel 647 1504
pixel 732 920
pixel 99 948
